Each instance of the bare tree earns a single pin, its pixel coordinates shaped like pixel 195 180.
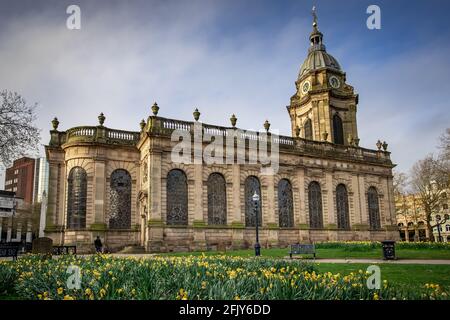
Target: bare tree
pixel 445 144
pixel 18 134
pixel 405 208
pixel 400 183
pixel 430 179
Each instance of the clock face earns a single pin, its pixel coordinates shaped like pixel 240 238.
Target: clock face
pixel 305 87
pixel 334 82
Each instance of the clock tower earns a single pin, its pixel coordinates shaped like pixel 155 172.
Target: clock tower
pixel 324 105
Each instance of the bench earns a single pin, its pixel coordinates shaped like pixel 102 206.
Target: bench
pixel 302 249
pixel 7 250
pixel 60 250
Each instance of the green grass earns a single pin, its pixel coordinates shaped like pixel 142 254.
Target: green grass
pixel 337 253
pixel 408 276
pixel 9 297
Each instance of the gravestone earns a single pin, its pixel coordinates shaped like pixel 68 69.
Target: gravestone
pixel 42 246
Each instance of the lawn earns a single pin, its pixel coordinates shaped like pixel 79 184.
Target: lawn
pixel 214 277
pixel 408 276
pixel 233 274
pixel 338 253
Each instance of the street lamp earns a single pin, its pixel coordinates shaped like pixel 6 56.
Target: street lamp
pixel 438 226
pixel 255 199
pixel 439 223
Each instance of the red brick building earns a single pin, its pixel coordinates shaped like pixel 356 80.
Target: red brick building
pixel 20 178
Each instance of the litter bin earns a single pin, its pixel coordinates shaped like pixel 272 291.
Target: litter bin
pixel 388 249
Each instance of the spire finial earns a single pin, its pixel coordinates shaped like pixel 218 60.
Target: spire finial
pixel 314 14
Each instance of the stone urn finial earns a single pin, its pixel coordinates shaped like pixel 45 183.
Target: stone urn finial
pixel 55 123
pixel 385 145
pixel 196 114
pixel 267 125
pixel 379 145
pixel 233 120
pixel 297 131
pixel 155 109
pixel 324 136
pixel 101 119
pixel 142 124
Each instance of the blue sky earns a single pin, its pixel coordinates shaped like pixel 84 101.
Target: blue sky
pixel 227 57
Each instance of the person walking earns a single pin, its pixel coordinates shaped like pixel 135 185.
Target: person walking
pixel 98 245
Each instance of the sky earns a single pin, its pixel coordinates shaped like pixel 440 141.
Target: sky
pixel 226 57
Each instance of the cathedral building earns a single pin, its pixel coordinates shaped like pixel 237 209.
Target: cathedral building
pixel 125 186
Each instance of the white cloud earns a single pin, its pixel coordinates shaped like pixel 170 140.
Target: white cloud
pixel 123 59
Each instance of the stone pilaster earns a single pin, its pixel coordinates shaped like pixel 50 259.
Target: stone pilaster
pixel 236 219
pixel 99 193
pixel 236 213
pixel 154 181
pixel 389 208
pixel 199 221
pixel 363 217
pixel 155 229
pixel 315 120
pixel 62 202
pixel 356 199
pixel 301 215
pixel 198 194
pixel 270 214
pixel 55 216
pixel 330 219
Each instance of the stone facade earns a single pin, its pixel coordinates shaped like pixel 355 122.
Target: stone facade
pixel 412 221
pixel 171 203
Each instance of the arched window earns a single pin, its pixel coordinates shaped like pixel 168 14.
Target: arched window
pixel 308 129
pixel 120 200
pixel 252 185
pixel 285 206
pixel 338 130
pixel 177 198
pixel 76 198
pixel 315 205
pixel 217 199
pixel 343 218
pixel 374 209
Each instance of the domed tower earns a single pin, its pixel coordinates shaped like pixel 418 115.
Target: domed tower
pixel 324 106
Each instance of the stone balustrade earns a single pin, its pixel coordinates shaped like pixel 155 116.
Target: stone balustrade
pixel 97 134
pixel 165 127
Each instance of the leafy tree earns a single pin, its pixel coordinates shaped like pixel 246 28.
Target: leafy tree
pixel 18 134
